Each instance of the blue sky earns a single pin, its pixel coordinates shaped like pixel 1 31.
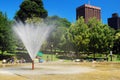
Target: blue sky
pixel 65 8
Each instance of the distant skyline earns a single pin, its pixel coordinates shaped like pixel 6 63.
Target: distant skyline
pixel 65 8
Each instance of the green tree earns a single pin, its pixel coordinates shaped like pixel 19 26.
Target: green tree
pixel 116 47
pixel 79 35
pixel 34 20
pixel 57 21
pixel 57 37
pixel 31 8
pixel 101 37
pixel 6 38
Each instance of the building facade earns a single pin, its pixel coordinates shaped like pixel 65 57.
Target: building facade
pixel 114 21
pixel 88 11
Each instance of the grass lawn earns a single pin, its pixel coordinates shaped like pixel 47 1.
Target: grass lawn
pixel 53 57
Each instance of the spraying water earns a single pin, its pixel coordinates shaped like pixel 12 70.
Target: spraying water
pixel 32 36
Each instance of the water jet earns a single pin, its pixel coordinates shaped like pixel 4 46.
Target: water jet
pixel 32 36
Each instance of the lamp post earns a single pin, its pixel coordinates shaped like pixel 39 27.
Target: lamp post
pixel 111 55
pixel 51 52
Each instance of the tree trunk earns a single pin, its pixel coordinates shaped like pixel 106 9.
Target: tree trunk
pixel 94 55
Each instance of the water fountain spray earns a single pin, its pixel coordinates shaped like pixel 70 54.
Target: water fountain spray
pixel 32 36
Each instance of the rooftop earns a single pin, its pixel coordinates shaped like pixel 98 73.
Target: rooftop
pixel 90 6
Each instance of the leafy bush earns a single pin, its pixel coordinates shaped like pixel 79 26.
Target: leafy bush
pixel 5 55
pixel 118 57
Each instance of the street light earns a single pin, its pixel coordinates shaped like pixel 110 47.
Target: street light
pixel 111 55
pixel 51 52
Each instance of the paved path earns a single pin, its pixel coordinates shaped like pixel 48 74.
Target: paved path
pixel 41 69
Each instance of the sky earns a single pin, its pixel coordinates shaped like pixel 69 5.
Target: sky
pixel 65 8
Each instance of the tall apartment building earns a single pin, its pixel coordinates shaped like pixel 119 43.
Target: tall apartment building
pixel 88 11
pixel 114 21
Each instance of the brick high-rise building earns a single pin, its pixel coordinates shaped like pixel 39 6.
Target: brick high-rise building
pixel 88 11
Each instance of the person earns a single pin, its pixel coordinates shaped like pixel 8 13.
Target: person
pixel 40 60
pixel 22 60
pixel 12 60
pixel 47 59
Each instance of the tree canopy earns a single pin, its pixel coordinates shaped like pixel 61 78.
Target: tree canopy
pixel 57 36
pixel 92 37
pixel 101 36
pixel 6 38
pixel 31 8
pixel 79 35
pixel 116 47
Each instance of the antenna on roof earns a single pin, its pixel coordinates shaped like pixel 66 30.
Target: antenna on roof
pixel 89 2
